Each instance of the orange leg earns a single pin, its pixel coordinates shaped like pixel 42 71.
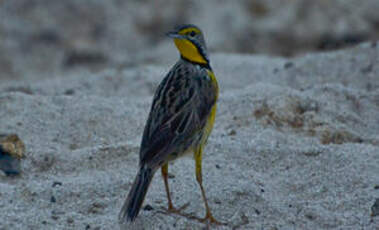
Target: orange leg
pixel 165 176
pixel 169 201
pixel 208 216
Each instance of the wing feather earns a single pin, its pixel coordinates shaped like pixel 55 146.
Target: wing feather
pixel 179 112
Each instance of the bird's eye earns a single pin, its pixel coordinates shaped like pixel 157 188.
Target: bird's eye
pixel 192 33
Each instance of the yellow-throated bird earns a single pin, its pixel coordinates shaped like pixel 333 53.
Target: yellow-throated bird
pixel 180 120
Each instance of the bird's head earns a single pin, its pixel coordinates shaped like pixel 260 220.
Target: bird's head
pixel 191 44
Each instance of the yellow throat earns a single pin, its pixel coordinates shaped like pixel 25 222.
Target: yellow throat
pixel 189 51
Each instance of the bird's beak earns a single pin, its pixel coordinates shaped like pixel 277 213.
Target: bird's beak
pixel 174 34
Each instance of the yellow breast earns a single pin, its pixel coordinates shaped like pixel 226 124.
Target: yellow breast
pixel 212 116
pixel 210 121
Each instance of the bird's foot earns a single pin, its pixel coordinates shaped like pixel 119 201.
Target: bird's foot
pixel 171 209
pixel 209 219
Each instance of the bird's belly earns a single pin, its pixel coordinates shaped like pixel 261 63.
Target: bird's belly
pixel 208 126
pixel 200 139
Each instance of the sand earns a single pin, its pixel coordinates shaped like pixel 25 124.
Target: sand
pixel 295 146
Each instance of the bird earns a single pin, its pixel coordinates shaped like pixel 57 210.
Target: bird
pixel 180 120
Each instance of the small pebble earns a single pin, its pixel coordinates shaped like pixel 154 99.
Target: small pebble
pixel 148 207
pixel 288 65
pixel 375 208
pixel 56 183
pixel 70 220
pixel 171 176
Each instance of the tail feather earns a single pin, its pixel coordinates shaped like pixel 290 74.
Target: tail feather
pixel 136 196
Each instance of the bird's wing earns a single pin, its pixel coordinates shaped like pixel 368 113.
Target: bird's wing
pixel 179 111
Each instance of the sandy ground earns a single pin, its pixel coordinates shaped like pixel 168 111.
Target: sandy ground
pixel 295 146
pixel 296 140
pixel 43 38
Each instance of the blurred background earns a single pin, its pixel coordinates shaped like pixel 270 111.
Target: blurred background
pixel 50 38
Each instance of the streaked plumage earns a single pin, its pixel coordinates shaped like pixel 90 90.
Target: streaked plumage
pixel 180 120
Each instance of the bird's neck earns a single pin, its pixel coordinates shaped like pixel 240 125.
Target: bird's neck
pixel 202 65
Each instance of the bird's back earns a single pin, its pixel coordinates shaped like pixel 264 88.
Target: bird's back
pixel 179 112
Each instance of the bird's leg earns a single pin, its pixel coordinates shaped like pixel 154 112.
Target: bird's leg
pixel 169 201
pixel 208 216
pixel 165 176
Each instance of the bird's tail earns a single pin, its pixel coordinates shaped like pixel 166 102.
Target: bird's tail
pixel 133 202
